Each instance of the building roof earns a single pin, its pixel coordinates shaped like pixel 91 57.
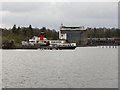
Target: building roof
pixel 72 28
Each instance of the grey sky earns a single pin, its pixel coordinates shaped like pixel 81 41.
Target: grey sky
pixel 51 14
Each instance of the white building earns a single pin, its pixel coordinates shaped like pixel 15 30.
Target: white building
pixel 73 34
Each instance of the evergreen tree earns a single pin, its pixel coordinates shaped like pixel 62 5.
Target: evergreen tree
pixel 30 27
pixel 18 28
pixel 43 29
pixel 31 30
pixel 14 29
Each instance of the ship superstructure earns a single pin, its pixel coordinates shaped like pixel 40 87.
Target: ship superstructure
pixel 42 42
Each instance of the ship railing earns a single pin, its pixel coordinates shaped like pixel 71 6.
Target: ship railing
pixel 67 44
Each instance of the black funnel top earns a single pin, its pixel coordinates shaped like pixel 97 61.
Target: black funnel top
pixel 42 33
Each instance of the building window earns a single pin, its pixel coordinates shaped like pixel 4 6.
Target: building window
pixel 61 35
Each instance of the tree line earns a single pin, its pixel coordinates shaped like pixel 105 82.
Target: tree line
pixel 103 32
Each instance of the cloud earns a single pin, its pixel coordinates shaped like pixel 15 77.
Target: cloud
pixel 51 15
pixel 20 6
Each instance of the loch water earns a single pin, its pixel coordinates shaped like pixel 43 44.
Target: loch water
pixel 84 67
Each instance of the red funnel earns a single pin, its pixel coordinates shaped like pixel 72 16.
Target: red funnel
pixel 42 36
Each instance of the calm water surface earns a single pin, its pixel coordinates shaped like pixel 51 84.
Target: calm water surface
pixel 80 68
